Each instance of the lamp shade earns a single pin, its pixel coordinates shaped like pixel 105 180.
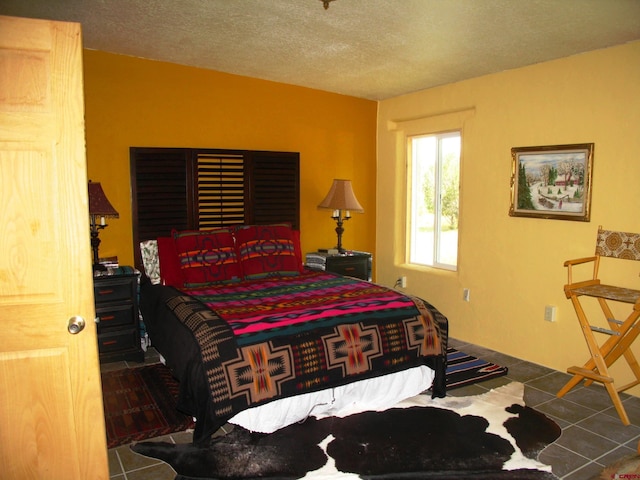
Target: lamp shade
pixel 99 204
pixel 341 197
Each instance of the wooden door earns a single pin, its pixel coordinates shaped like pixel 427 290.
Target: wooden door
pixel 51 416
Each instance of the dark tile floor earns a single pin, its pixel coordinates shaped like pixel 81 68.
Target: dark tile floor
pixel 592 434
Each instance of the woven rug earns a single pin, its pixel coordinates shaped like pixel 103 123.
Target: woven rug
pixel 464 369
pixel 140 403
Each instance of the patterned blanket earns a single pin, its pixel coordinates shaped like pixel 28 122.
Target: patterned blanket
pixel 274 338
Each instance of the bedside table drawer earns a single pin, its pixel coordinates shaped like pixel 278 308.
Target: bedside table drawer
pixel 112 291
pixel 119 341
pixel 116 298
pixel 357 268
pixel 116 316
pixel 352 264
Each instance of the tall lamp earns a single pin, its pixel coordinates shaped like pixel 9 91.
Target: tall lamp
pixel 99 209
pixel 342 201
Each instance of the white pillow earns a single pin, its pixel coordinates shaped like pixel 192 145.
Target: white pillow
pixel 149 253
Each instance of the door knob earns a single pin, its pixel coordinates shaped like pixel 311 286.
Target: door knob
pixel 76 324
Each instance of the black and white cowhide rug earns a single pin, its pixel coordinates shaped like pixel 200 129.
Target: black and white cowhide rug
pixel 489 436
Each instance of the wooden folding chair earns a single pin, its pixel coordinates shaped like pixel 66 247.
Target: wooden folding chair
pixel 621 333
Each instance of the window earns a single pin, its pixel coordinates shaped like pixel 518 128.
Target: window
pixel 434 181
pixel 221 198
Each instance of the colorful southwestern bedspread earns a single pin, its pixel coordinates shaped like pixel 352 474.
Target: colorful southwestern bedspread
pixel 274 338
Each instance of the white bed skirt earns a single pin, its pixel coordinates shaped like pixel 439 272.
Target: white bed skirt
pixel 376 394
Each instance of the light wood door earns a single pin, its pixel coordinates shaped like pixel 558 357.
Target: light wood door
pixel 51 417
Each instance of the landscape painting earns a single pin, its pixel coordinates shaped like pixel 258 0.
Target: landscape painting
pixel 552 182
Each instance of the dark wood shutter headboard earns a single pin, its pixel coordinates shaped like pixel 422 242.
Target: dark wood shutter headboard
pixel 192 189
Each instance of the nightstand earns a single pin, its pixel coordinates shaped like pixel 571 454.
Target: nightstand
pixel 351 263
pixel 116 297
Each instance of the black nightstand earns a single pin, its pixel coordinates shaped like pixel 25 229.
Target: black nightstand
pixel 352 263
pixel 116 299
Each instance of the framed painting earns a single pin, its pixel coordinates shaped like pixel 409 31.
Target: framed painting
pixel 552 182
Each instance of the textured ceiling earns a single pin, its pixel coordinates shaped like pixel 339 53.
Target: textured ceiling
pixel 372 49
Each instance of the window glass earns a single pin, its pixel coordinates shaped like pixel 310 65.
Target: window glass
pixel 434 181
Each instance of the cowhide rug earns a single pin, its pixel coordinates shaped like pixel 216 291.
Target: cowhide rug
pixel 490 436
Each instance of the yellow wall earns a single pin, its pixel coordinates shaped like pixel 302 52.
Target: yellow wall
pixel 514 265
pixel 136 102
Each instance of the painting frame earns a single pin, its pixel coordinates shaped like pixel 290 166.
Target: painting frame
pixel 552 182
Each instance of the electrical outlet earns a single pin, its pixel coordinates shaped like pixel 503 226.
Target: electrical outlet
pixel 403 281
pixel 466 295
pixel 550 313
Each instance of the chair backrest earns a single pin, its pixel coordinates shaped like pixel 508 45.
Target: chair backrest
pixel 623 245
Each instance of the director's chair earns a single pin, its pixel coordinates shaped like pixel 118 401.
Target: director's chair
pixel 621 333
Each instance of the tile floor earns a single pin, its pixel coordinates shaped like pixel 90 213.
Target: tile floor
pixel 592 434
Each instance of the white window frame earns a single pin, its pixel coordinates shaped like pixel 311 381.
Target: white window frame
pixel 413 185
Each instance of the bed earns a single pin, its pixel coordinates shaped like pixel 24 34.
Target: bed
pixel 255 338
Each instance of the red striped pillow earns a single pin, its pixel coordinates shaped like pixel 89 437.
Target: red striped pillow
pixel 268 251
pixel 207 256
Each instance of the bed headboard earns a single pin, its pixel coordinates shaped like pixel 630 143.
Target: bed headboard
pixel 195 188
